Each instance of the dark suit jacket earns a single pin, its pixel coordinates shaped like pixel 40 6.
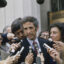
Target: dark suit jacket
pixel 48 59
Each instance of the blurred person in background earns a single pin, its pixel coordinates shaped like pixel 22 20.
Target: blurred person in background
pixel 44 35
pixel 7 29
pixel 56 32
pixel 6 42
pixel 16 28
pixel 3 3
pixel 57 35
pixel 4 39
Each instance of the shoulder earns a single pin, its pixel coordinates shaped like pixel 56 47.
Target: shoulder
pixel 25 42
pixel 42 40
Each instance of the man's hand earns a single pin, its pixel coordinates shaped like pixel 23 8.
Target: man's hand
pixel 12 59
pixel 55 55
pixel 59 46
pixel 29 58
pixel 10 36
pixel 14 47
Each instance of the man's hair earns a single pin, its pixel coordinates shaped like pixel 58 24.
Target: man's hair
pixel 16 25
pixel 30 19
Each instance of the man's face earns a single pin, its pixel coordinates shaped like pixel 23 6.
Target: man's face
pixel 29 30
pixel 44 35
pixel 19 34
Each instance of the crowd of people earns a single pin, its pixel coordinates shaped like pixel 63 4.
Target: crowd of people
pixel 19 43
pixel 23 33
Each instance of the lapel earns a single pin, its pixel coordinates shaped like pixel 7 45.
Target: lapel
pixel 40 43
pixel 27 45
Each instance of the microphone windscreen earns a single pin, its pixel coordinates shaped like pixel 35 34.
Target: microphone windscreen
pixel 40 1
pixel 3 3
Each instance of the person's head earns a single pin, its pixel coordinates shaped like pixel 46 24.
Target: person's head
pixel 56 30
pixel 44 34
pixel 30 26
pixel 7 29
pixel 16 28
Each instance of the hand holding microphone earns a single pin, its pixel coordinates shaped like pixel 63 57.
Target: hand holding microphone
pixel 46 46
pixel 53 53
pixel 14 59
pixel 29 58
pixel 15 46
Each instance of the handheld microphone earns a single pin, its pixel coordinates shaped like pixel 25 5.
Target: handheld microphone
pixel 46 46
pixel 13 50
pixel 30 49
pixel 19 52
pixel 37 48
pixel 38 60
pixel 3 3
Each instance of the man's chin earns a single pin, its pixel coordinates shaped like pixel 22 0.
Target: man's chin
pixel 31 38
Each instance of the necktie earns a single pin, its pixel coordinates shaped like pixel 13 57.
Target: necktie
pixel 35 47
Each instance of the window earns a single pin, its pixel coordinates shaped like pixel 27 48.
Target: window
pixel 57 5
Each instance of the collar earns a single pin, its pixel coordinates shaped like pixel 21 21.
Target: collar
pixel 31 42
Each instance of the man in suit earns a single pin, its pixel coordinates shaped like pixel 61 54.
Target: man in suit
pixel 30 27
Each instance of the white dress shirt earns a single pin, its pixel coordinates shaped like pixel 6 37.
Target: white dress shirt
pixel 31 43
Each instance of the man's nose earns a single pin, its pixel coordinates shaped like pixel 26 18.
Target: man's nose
pixel 28 31
pixel 51 35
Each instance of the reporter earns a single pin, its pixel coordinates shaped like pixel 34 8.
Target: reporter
pixel 57 32
pixel 59 46
pixel 55 55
